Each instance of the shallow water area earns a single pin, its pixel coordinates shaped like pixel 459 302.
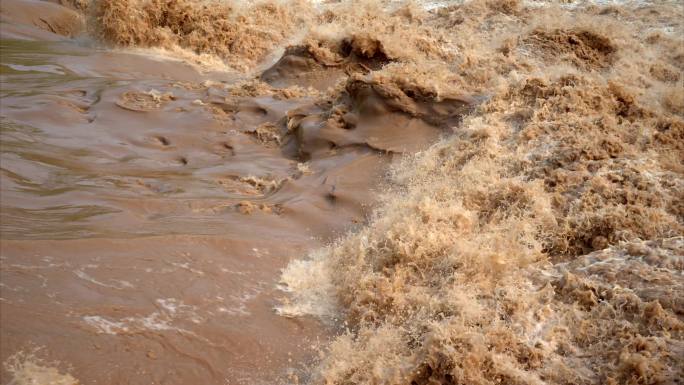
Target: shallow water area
pixel 141 232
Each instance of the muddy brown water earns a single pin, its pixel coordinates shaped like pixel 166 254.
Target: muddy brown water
pixel 147 208
pixel 142 243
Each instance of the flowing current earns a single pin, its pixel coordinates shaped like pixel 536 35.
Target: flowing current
pixel 365 192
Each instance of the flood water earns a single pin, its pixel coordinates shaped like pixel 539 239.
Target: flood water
pixel 370 192
pixel 150 236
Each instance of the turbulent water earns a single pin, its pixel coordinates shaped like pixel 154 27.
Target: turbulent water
pixel 207 192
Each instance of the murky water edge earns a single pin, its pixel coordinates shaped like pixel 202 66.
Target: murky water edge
pixel 151 237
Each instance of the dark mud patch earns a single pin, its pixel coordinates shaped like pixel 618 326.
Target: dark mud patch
pixel 162 140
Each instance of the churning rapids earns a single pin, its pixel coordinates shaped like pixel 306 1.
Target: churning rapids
pixel 366 192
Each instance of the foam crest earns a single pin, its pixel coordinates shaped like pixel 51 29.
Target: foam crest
pixel 512 251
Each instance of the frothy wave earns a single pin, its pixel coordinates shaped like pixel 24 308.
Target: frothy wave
pixel 513 251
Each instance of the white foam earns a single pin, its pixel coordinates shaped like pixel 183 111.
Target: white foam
pixel 115 284
pixel 154 321
pixel 186 266
pixel 27 369
pixel 170 310
pixel 104 325
pixel 309 287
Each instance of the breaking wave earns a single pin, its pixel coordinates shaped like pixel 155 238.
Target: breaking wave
pixel 538 240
